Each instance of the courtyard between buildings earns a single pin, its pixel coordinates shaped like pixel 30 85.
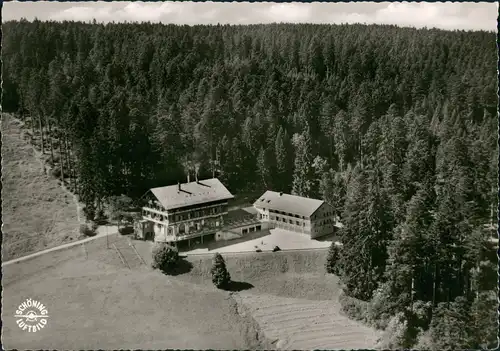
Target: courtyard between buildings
pixel 267 240
pixel 251 241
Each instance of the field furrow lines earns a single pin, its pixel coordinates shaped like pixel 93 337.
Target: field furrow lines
pixel 305 325
pixel 289 311
pixel 331 342
pixel 290 321
pixel 327 324
pixel 326 332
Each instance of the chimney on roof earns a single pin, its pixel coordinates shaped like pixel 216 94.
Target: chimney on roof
pixel 179 185
pixel 188 178
pixel 197 180
pixel 281 193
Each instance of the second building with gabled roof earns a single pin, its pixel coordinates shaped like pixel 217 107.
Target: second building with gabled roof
pixel 296 213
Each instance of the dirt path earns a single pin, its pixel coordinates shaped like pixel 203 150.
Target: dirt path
pixel 111 230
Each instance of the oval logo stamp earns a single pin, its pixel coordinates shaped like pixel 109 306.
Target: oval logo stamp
pixel 31 316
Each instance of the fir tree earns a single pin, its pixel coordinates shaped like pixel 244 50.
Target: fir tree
pixel 220 275
pixel 262 168
pixel 303 172
pixel 332 260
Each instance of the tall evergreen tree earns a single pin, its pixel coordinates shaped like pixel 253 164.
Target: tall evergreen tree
pixel 303 171
pixel 283 160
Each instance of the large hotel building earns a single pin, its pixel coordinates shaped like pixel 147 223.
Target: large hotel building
pixel 183 212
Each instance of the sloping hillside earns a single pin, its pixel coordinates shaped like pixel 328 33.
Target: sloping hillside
pixel 94 301
pixel 36 212
pixel 300 324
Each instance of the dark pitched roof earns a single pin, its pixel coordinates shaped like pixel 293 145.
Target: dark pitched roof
pixel 194 193
pixel 298 205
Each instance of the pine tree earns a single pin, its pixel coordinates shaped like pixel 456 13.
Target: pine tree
pixel 450 327
pixel 342 143
pixel 484 312
pixel 367 230
pixel 220 275
pixel 332 260
pixel 409 275
pixel 319 166
pixel 327 116
pixel 355 257
pixel 303 172
pixel 262 168
pixel 283 160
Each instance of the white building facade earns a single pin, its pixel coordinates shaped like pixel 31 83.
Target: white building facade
pixel 185 211
pixel 295 213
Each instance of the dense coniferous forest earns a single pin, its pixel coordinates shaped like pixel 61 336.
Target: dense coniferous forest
pixel 395 127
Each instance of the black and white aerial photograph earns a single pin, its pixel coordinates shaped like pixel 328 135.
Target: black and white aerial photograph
pixel 249 176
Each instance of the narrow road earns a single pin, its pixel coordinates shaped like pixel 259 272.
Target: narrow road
pixel 102 232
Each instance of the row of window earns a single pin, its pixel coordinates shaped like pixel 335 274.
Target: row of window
pixel 185 216
pixel 155 205
pixel 302 229
pixel 197 214
pixel 192 227
pixel 286 214
pixel 153 215
pixel 325 221
pixel 328 214
pixel 278 219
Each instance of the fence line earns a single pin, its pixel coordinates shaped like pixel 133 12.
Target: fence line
pixel 67 246
pixel 121 256
pixel 135 250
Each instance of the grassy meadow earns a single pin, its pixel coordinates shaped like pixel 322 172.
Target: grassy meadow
pixel 36 212
pixel 95 301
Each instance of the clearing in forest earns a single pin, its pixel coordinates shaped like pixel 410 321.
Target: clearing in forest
pixel 37 213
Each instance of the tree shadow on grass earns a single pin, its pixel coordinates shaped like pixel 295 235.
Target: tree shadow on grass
pixel 238 286
pixel 183 266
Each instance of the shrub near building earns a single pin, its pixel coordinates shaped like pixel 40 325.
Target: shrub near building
pixel 165 258
pixel 88 229
pixel 220 275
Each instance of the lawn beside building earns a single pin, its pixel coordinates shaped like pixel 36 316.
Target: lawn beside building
pixel 92 298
